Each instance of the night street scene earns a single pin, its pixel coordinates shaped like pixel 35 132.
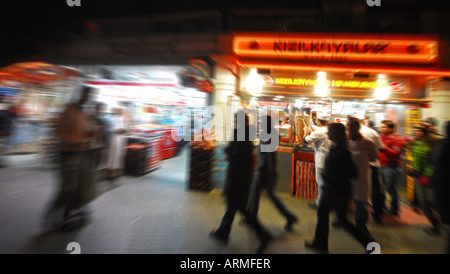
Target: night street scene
pixel 227 132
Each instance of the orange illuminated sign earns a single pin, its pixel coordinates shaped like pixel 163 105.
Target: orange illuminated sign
pixel 338 48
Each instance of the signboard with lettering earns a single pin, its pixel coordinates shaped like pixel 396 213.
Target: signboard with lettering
pixel 394 86
pixel 381 48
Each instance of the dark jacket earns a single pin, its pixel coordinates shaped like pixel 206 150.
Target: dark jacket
pixel 441 181
pixel 338 171
pixel 240 171
pixel 266 173
pixel 6 122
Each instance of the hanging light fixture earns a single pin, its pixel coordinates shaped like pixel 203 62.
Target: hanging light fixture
pixel 254 83
pixel 322 86
pixel 382 89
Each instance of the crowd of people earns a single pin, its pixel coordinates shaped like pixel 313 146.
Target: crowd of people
pixel 357 170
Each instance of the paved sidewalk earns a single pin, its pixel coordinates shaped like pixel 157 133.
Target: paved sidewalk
pixel 157 214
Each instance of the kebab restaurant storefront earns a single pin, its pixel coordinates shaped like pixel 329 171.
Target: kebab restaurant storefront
pixel 375 77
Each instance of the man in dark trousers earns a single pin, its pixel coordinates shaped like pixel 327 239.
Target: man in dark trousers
pixel 69 206
pixel 237 185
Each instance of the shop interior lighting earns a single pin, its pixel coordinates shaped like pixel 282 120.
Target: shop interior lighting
pixel 253 102
pixel 298 103
pixel 322 87
pixel 382 93
pixel 254 83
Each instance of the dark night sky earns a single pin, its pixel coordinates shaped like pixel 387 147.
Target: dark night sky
pixel 28 25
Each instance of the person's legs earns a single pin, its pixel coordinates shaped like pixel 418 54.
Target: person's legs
pixel 255 196
pixel 320 184
pixel 223 232
pixel 424 197
pixel 363 237
pixel 361 215
pixel 59 208
pixel 390 176
pixel 322 227
pixel 290 217
pixel 263 235
pixel 446 230
pixel 378 195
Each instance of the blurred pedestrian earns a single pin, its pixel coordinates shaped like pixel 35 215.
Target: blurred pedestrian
pixel 363 152
pixel 20 127
pixel 75 191
pixel 441 183
pixel 238 182
pixel 378 192
pixel 432 129
pixel 101 144
pixel 266 178
pixel 339 170
pixel 422 172
pixel 390 162
pixel 117 151
pixel 319 139
pixel 6 125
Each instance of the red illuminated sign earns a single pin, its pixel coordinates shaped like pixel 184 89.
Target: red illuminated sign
pixel 408 49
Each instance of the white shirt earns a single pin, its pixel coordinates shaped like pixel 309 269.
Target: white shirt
pixel 319 138
pixel 362 152
pixel 373 136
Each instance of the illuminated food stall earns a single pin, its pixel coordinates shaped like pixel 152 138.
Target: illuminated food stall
pixel 154 97
pixel 305 75
pixel 38 91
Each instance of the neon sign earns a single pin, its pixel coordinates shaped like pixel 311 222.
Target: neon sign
pixel 382 48
pixel 395 86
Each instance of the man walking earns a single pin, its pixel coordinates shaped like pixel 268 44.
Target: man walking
pixel 76 189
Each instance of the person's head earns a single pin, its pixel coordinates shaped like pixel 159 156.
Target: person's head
pixel 433 123
pixel 322 120
pixel 100 108
pixel 351 119
pixel 269 137
pixel 421 130
pixel 86 93
pixel 337 134
pixel 241 118
pixel 387 127
pixel 353 129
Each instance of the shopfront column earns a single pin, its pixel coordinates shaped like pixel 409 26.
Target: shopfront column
pixel 225 83
pixel 439 92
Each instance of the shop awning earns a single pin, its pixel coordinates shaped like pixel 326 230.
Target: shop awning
pixel 36 72
pixel 374 69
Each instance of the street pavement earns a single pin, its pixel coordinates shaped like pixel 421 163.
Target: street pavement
pixel 158 214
